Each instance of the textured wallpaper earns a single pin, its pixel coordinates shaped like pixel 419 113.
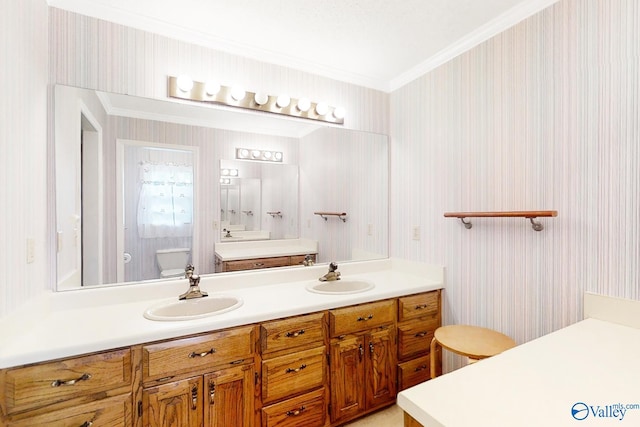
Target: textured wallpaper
pixel 544 116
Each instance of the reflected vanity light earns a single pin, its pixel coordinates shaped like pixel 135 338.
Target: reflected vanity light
pixel 259 155
pixel 183 87
pixel 225 181
pixel 229 172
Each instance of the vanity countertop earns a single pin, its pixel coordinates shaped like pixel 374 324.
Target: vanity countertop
pixel 233 251
pixel 64 324
pixel 587 373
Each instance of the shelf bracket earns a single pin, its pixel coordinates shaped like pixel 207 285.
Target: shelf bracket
pixel 536 225
pixel 467 224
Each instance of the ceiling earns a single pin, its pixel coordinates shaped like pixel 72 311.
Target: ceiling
pixel 381 44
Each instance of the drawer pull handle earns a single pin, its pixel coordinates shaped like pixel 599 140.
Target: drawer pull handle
pixel 86 424
pixel 290 370
pixel 212 393
pixel 194 354
pixel 194 397
pixel 369 317
pixel 421 368
pixel 294 334
pixel 258 264
pixel 421 306
pixel 58 383
pixel 361 351
pixel 295 412
pixel 371 348
pixel 420 335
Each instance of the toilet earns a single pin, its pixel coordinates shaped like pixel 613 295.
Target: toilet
pixel 172 261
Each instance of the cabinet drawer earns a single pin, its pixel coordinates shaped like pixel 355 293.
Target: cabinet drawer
pixel 169 358
pixel 414 372
pixel 252 264
pixel 308 410
pixel 361 317
pixel 38 385
pixel 110 412
pixel 295 332
pixel 421 305
pixel 292 374
pixel 415 338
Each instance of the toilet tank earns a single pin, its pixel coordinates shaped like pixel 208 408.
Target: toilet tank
pixel 174 258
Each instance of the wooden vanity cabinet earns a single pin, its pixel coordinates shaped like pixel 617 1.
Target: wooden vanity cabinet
pixel 419 316
pixel 295 371
pixel 258 263
pixel 206 380
pixel 363 359
pixel 95 388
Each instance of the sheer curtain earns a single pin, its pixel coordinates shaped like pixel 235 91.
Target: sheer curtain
pixel 165 207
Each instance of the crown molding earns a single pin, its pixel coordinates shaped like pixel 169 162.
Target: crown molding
pixel 501 23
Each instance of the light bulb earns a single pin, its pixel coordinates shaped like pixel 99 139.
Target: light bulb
pixel 224 172
pixel 322 108
pixel 255 154
pixel 212 88
pixel 261 98
pixel 233 172
pixel 277 155
pixel 304 104
pixel 283 101
pixel 238 93
pixel 244 153
pixel 267 155
pixel 185 84
pixel 339 113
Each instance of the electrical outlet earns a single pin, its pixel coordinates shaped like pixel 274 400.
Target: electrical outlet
pixel 416 232
pixel 31 250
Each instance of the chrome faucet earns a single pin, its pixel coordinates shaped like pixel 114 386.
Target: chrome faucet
pixel 332 275
pixel 228 233
pixel 194 285
pixel 308 261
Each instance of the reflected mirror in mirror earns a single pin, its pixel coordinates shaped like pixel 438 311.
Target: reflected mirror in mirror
pixel 259 202
pixel 325 168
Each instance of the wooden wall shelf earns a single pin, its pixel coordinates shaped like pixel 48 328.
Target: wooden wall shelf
pixel 530 215
pixel 324 215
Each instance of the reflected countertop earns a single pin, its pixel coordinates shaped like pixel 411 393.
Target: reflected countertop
pixel 233 251
pixel 64 324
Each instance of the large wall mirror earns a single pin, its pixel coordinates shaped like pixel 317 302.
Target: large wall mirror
pixel 140 181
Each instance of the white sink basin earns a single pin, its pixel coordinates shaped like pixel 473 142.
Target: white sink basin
pixel 195 308
pixel 337 287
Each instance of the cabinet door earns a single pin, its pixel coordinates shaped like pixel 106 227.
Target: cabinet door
pixel 229 399
pixel 347 377
pixel 176 404
pixel 380 368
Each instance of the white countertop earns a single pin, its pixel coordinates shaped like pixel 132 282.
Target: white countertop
pixel 593 364
pixel 232 251
pixel 63 324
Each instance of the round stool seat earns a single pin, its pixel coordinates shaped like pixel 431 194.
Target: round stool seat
pixel 473 342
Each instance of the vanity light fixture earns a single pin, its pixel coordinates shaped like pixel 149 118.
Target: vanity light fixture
pixel 185 84
pixel 225 181
pixel 322 109
pixel 238 93
pixel 212 88
pixel 183 87
pixel 259 155
pixel 339 112
pixel 261 98
pixel 304 104
pixel 283 101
